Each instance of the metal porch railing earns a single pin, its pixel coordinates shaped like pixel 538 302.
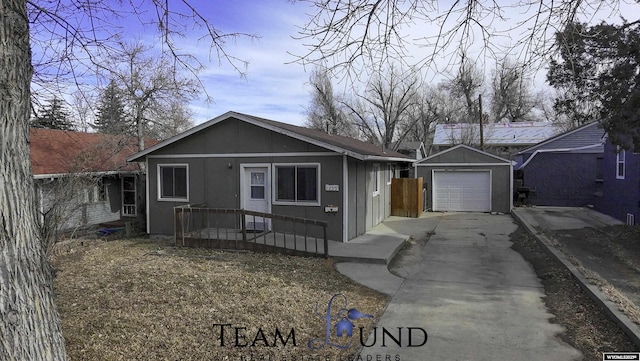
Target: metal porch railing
pixel 240 229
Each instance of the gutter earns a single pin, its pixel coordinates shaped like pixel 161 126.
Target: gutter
pixel 563 150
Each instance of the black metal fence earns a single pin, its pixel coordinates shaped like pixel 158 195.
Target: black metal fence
pixel 240 229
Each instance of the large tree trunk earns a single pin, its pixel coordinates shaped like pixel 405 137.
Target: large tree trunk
pixel 29 323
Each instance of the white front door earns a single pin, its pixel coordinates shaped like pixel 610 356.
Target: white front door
pixel 256 193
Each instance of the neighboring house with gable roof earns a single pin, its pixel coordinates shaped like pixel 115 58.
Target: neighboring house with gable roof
pixel 245 162
pixel 564 170
pixel 502 139
pixel 620 175
pixel 83 179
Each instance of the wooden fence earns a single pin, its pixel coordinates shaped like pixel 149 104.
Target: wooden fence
pixel 406 197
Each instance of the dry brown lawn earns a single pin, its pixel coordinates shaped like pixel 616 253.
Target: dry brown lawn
pixel 138 300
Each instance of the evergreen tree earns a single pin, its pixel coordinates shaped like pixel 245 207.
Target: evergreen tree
pixel 599 70
pixel 111 117
pixel 53 116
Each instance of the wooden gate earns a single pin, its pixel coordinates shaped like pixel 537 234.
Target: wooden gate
pixel 406 197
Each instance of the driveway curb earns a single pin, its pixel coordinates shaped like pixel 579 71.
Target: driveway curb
pixel 630 328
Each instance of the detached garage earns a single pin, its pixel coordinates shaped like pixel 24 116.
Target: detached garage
pixel 466 179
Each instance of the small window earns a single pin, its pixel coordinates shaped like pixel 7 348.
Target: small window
pixel 173 182
pixel 620 163
pixel 376 179
pixel 391 173
pixel 297 184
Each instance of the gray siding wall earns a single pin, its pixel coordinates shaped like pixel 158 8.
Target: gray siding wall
pixel 215 179
pixel 357 197
pixel 500 184
pixel 562 179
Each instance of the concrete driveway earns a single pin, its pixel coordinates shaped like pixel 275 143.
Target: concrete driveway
pixel 475 297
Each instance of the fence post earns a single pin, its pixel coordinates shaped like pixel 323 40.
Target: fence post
pixel 326 242
pixel 176 225
pixel 243 225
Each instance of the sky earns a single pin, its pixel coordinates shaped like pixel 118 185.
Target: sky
pixel 275 86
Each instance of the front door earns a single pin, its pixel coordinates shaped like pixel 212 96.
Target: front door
pixel 256 195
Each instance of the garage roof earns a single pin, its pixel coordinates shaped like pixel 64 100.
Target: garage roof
pixel 463 154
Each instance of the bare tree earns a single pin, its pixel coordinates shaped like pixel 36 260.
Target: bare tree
pixel 148 82
pixel 467 84
pixel 349 33
pixel 62 36
pixel 512 97
pixel 326 112
pixel 387 103
pixel 169 119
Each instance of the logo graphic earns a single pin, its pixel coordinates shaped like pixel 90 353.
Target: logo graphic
pixel 342 327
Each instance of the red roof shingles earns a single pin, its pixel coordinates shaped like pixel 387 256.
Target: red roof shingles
pixel 59 152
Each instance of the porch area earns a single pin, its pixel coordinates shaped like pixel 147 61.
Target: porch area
pixel 240 229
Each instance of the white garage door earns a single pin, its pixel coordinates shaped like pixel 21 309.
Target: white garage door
pixel 462 191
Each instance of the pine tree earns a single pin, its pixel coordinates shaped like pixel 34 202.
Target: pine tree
pixel 111 115
pixel 53 116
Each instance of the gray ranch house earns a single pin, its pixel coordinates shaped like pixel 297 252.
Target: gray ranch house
pixel 241 161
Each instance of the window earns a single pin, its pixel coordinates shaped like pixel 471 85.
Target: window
pixel 391 170
pixel 620 163
pixel 376 179
pixel 173 180
pixel 297 184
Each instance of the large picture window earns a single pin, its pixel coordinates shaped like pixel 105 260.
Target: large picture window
pixel 297 184
pixel 173 182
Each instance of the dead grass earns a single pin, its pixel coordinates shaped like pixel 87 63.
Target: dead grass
pixel 120 300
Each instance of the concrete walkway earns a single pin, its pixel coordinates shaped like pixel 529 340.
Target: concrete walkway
pixel 475 297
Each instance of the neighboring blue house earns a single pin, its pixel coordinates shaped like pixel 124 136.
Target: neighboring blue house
pixel 620 196
pixel 563 170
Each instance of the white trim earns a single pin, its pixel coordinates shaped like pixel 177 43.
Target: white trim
pixel 345 199
pixel 631 219
pixel 375 170
pixel 462 164
pixel 244 155
pixel 390 171
pixel 60 175
pixel 465 147
pixel 135 196
pixel 377 158
pixel 159 183
pixel 147 196
pixel 433 188
pixel 559 150
pixel 554 138
pixel 622 161
pixel 510 189
pixel 268 192
pixel 274 185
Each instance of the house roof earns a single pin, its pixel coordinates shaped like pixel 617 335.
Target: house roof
pixel 58 152
pixel 587 138
pixel 341 144
pixel 502 134
pixel 490 157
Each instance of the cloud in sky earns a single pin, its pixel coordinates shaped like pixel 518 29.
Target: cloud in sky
pixel 274 86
